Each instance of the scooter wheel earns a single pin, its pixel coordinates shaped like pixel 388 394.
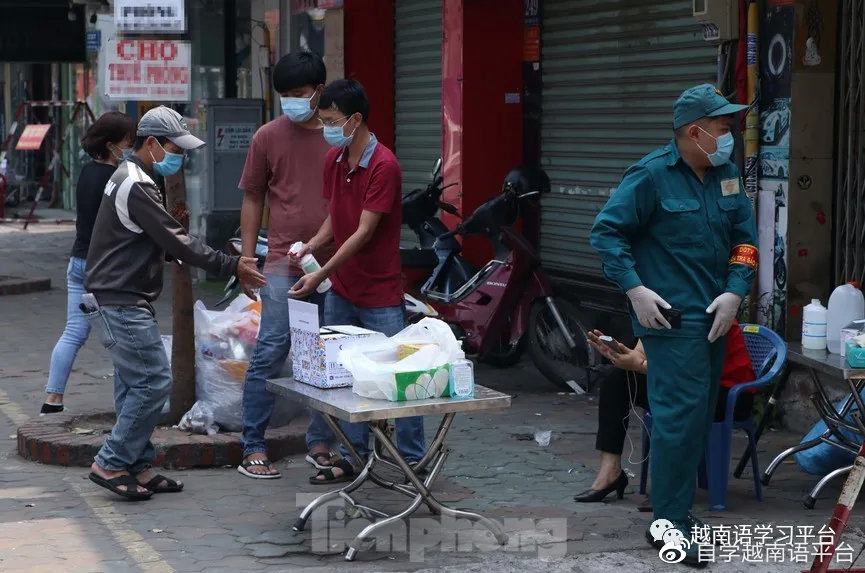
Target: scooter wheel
pixel 549 347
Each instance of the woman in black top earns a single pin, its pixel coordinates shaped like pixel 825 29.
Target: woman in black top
pixel 108 141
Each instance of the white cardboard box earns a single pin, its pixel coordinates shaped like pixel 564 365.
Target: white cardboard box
pixel 315 350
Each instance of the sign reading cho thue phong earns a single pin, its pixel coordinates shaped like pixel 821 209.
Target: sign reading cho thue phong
pixel 156 70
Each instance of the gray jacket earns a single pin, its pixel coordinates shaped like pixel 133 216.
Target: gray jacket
pixel 131 236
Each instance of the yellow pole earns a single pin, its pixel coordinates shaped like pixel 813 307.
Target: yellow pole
pixel 752 128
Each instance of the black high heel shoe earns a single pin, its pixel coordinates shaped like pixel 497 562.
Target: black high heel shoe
pixel 596 495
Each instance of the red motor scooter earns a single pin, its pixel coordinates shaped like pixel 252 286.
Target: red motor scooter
pixel 509 303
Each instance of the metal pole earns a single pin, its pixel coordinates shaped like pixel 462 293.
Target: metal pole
pixel 2 196
pixel 230 28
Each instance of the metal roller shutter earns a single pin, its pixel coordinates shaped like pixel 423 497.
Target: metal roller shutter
pixel 611 72
pixel 418 91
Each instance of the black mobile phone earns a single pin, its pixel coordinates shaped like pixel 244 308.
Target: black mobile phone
pixel 673 316
pixel 610 343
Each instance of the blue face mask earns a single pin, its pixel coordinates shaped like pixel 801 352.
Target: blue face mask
pixel 298 109
pixel 170 164
pixel 333 134
pixel 125 152
pixel 723 148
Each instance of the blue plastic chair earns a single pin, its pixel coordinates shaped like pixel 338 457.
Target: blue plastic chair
pixel 768 354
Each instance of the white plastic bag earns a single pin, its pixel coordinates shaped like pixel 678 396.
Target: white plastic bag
pixel 373 364
pixel 199 420
pixel 224 343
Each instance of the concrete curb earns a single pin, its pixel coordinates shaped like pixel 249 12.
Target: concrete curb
pixel 51 440
pixel 21 285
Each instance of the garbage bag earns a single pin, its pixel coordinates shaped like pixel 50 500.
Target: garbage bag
pixel 823 458
pixel 373 363
pixel 199 419
pixel 224 343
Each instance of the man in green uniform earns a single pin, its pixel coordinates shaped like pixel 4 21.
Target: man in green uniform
pixel 679 233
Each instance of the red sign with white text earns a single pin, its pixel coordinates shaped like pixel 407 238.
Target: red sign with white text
pixel 32 136
pixel 156 70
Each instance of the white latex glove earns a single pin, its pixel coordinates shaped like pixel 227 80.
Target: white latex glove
pixel 647 306
pixel 725 308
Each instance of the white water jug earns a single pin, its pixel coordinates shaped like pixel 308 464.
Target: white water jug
pixel 814 326
pixel 845 305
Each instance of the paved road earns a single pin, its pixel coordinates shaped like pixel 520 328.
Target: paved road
pixel 53 519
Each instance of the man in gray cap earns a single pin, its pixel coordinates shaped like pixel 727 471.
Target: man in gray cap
pixel 131 237
pixel 678 235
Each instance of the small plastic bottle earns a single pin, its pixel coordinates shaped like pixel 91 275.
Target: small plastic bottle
pixel 309 265
pixel 814 326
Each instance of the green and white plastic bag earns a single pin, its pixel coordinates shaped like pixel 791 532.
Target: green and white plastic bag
pixel 379 374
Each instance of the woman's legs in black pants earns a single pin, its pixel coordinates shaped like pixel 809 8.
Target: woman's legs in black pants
pixel 617 390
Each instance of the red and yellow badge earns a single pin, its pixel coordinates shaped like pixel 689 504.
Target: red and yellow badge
pixel 744 255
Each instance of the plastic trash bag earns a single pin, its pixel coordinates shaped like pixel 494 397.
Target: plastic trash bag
pixel 823 458
pixel 373 362
pixel 199 419
pixel 543 437
pixel 224 343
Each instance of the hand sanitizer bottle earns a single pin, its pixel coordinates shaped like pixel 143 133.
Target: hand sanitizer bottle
pixel 309 265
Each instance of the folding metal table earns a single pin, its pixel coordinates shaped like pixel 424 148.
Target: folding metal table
pixel 343 404
pixel 834 365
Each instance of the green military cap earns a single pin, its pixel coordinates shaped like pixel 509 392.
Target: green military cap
pixel 701 101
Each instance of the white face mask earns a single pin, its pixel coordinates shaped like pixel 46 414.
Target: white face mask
pixel 723 148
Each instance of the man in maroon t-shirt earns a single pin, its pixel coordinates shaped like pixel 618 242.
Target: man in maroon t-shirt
pixel 362 185
pixel 284 164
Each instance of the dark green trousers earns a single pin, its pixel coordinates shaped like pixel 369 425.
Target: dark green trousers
pixel 683 379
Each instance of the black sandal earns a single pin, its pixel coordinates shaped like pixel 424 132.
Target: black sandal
pixel 329 478
pixel 172 487
pixel 316 458
pixel 131 492
pixel 243 468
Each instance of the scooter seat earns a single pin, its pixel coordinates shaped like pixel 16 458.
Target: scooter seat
pixel 418 258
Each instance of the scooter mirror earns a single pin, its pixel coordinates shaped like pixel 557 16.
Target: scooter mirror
pixel 436 168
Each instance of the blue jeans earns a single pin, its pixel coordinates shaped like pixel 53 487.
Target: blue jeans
pixel 389 320
pixel 142 383
pixel 271 352
pixel 76 332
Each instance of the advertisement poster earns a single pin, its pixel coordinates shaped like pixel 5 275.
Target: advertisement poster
pixel 156 70
pixel 776 69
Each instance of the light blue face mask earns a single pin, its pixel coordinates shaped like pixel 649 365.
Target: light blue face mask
pixel 334 136
pixel 170 164
pixel 125 152
pixel 298 109
pixel 723 148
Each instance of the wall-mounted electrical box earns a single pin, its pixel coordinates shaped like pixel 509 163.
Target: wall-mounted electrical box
pixel 719 19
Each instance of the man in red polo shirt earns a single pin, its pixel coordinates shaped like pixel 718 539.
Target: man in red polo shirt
pixel 362 184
